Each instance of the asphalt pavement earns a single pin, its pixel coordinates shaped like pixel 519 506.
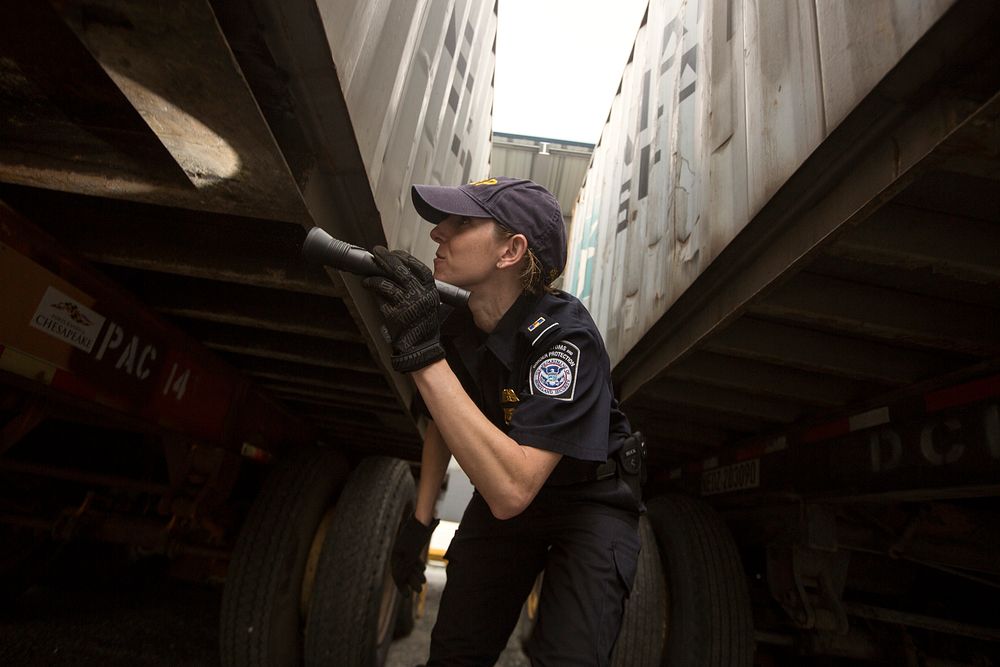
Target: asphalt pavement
pixel 136 616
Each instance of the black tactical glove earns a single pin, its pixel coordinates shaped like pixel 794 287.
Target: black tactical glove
pixel 409 303
pixel 408 553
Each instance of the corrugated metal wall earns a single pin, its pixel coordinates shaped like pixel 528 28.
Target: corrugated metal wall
pixel 677 173
pixel 418 78
pixel 560 166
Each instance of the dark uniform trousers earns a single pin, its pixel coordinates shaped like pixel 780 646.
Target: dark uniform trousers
pixel 589 552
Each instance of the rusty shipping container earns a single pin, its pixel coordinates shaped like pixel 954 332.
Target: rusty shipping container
pixel 173 379
pixel 787 236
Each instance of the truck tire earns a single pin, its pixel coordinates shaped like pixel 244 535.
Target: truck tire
pixel 644 626
pixel 709 618
pixel 355 602
pixel 261 618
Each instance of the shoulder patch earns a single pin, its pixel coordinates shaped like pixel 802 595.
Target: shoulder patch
pixel 554 374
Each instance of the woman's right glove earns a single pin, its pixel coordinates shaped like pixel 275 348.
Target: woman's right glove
pixel 408 553
pixel 408 299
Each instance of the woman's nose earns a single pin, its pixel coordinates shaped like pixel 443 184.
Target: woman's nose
pixel 437 234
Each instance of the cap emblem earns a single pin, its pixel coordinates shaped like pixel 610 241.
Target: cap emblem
pixel 485 181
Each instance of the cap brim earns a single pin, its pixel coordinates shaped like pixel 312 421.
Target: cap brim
pixel 434 203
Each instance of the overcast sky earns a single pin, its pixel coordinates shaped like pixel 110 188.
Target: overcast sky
pixel 559 63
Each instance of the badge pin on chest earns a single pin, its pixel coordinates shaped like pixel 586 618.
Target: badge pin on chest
pixel 508 401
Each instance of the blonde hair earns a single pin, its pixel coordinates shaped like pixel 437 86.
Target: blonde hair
pixel 532 278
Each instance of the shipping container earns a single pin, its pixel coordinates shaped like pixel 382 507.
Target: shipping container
pixel 174 379
pixel 788 237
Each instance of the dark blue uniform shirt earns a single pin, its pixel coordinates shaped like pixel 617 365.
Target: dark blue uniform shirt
pixel 543 377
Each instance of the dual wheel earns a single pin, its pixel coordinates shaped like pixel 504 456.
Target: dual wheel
pixel 707 619
pixel 309 581
pixel 689 605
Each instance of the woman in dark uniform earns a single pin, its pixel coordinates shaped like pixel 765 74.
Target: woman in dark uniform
pixel 519 392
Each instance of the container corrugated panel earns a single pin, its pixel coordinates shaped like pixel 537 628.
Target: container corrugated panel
pixel 720 103
pixel 558 165
pixel 418 79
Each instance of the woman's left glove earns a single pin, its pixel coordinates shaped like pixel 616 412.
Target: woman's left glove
pixel 407 558
pixel 409 303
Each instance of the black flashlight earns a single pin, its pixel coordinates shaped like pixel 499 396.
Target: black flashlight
pixel 322 248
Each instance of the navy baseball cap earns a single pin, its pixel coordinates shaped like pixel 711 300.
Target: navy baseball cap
pixel 519 204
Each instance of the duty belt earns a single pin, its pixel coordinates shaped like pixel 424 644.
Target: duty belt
pixel 571 471
pixel 627 462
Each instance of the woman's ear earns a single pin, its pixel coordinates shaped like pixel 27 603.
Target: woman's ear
pixel 515 248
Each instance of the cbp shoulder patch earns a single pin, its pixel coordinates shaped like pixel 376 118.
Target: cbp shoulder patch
pixel 554 374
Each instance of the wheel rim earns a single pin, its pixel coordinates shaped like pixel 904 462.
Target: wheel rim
pixel 531 604
pixel 387 608
pixel 312 563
